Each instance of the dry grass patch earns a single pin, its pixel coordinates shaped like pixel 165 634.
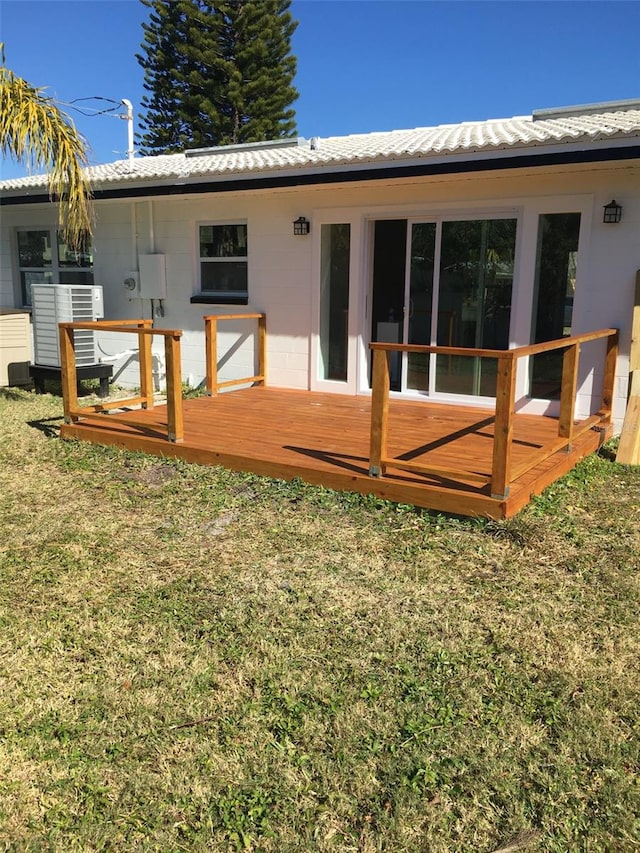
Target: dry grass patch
pixel 199 660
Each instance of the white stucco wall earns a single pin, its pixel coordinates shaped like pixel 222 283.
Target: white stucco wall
pixel 278 269
pixel 283 273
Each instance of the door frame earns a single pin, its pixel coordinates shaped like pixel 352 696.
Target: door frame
pixel 523 333
pixel 526 209
pixel 336 216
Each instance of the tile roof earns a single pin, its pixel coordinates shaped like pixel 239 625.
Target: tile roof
pixel 577 127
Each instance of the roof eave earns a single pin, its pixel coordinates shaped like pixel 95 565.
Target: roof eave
pixel 499 158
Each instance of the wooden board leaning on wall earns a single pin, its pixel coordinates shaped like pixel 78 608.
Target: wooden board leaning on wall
pixel 629 447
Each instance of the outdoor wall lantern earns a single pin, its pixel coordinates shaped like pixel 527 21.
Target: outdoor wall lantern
pixel 612 212
pixel 301 226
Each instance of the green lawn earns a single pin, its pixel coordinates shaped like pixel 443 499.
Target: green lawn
pixel 193 659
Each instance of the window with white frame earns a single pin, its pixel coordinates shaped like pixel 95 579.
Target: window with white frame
pixel 45 258
pixel 223 264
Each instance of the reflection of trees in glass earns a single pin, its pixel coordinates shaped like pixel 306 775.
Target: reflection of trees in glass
pixel 70 257
pixel 474 306
pixel 554 293
pixel 556 275
pixel 476 278
pixel 223 241
pixel 423 247
pixel 34 249
pixel 338 312
pixel 334 301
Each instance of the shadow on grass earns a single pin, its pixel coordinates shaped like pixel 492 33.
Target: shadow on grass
pixel 609 451
pixel 49 426
pixel 10 394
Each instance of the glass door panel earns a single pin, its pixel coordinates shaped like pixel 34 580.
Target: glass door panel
pixel 422 265
pixel 555 288
pixel 334 301
pixel 389 273
pixel 474 301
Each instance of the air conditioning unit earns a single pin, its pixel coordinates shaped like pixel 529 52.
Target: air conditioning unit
pixel 65 303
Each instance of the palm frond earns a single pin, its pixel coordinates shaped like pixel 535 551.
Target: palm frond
pixel 34 131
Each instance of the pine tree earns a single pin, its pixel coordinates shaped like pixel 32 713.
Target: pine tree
pixel 217 73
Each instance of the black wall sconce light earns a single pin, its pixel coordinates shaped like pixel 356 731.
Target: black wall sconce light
pixel 612 212
pixel 301 226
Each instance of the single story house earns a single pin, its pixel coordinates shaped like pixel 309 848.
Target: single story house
pixel 489 234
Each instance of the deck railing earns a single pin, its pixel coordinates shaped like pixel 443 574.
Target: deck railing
pixel 503 473
pixel 211 340
pixel 141 328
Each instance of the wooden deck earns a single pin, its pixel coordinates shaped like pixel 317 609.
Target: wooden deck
pixel 325 440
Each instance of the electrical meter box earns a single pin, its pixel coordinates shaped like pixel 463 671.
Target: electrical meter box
pixel 152 277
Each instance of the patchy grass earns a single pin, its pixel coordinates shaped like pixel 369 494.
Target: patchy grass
pixel 194 659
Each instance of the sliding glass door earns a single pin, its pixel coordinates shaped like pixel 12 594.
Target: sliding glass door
pixel 444 283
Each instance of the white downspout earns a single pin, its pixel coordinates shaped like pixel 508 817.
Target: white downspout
pixel 152 235
pixel 134 237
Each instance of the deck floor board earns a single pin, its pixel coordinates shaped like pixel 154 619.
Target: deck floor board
pixel 324 439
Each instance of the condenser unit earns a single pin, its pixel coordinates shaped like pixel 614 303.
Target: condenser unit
pixel 64 303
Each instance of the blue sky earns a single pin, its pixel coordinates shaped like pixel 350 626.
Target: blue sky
pixel 363 65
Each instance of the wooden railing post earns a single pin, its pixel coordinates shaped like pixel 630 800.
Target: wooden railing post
pixel 611 359
pixel 503 428
pixel 568 390
pixel 379 413
pixel 211 342
pixel 262 348
pixel 69 376
pixel 175 423
pixel 145 356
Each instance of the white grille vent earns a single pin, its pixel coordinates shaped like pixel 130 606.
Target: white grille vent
pixel 64 303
